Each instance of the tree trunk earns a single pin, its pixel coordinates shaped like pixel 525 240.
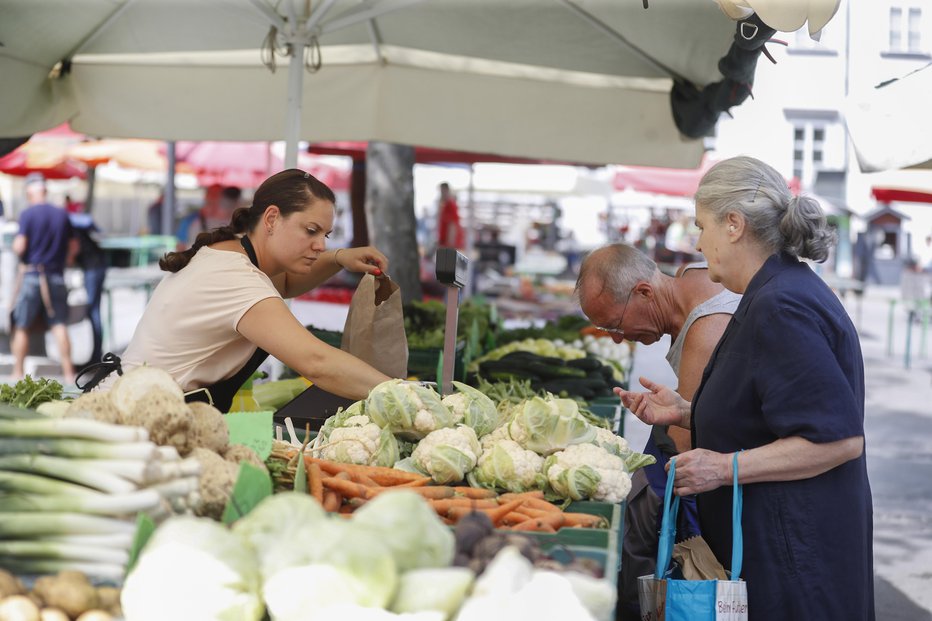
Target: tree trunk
pixel 390 213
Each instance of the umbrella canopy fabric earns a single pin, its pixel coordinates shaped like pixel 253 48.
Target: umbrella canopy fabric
pixel 40 156
pixel 248 164
pixel 890 125
pixel 568 80
pixel 667 181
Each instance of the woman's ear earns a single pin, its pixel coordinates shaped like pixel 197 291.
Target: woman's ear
pixel 734 224
pixel 271 215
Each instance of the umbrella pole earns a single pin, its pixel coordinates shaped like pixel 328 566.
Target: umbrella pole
pixel 168 204
pixel 293 113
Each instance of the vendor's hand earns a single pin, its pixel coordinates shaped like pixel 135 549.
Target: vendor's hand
pixel 365 259
pixel 700 470
pixel 660 406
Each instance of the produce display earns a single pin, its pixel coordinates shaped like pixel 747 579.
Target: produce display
pixel 497 500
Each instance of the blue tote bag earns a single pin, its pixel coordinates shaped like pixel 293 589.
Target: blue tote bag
pixel 666 597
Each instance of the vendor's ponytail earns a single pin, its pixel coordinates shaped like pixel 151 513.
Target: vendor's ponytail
pixel 290 190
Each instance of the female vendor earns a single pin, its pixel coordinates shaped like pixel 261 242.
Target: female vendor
pixel 221 311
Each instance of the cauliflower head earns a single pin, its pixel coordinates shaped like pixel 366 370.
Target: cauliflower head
pixel 447 454
pixel 408 409
pixel 614 444
pixel 473 408
pixel 548 425
pixel 360 441
pixel 505 465
pixel 587 471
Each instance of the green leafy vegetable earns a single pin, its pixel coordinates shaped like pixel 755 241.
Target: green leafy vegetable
pixel 29 393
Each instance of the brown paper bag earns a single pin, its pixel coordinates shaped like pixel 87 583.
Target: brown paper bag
pixel 375 326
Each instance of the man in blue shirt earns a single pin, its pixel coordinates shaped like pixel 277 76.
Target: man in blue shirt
pixel 45 244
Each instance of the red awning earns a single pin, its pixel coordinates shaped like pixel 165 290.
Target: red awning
pixel 669 181
pixel 888 195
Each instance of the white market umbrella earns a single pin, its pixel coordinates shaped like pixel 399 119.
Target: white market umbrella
pixel 890 124
pixel 575 80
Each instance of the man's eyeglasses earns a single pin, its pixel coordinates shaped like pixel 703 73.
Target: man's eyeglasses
pixel 618 329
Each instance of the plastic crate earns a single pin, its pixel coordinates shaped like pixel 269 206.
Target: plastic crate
pixel 422 363
pixel 613 413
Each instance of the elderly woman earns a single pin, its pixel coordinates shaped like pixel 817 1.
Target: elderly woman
pixel 785 386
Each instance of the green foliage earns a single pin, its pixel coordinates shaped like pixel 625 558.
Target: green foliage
pixel 30 393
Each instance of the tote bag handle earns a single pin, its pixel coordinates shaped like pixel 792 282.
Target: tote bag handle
pixel 671 505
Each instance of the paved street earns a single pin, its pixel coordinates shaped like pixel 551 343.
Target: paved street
pixel 898 422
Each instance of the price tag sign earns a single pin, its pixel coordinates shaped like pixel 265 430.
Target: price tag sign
pixel 254 429
pixel 251 487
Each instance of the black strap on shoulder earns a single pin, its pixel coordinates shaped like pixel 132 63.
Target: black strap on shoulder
pixel 98 371
pixel 250 251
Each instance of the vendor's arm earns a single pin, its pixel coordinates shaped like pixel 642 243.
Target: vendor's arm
pixel 786 459
pixel 365 259
pixel 271 326
pixel 698 346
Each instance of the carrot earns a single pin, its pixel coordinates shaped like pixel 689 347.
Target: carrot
pixel 432 492
pixel 416 483
pixel 553 520
pixel 314 484
pixel 366 480
pixel 475 492
pixel 502 510
pixel 534 525
pixel 524 495
pixel 380 474
pixel 442 505
pixel 513 518
pixel 542 505
pixel 584 520
pixel 349 489
pixel 332 500
pixel 532 513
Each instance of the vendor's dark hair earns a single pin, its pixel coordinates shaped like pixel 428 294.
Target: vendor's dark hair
pixel 290 190
pixel 780 221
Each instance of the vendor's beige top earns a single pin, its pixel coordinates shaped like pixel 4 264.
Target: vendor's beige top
pixel 189 325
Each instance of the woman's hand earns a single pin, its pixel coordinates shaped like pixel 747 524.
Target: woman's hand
pixel 366 259
pixel 660 406
pixel 700 470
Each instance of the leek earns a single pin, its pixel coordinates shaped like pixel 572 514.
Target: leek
pixel 72 428
pixel 30 524
pixel 73 470
pixel 66 447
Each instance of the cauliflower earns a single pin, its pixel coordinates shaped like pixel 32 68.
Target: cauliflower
pixel 488 441
pixel 447 454
pixel 473 408
pixel 505 465
pixel 546 425
pixel 407 409
pixel 351 437
pixel 588 471
pixel 614 444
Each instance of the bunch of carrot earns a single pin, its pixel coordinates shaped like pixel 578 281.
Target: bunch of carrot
pixel 341 488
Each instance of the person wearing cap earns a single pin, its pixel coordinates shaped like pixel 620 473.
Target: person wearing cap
pixel 45 243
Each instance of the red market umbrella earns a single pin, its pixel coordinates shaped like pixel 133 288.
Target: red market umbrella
pixel 248 164
pixel 39 156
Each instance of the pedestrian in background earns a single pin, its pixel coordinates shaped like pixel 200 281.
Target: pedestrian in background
pixel 45 244
pixel 92 259
pixel 784 389
pixel 450 232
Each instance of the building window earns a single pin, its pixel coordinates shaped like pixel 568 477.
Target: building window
pixel 905 36
pixel 808 150
pixel 896 29
pixel 915 16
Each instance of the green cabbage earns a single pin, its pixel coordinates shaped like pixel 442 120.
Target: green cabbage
pixel 408 409
pixel 442 589
pixel 193 568
pixel 548 425
pixel 473 409
pixel 405 522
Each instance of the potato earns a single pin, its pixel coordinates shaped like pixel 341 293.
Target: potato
pixel 10 585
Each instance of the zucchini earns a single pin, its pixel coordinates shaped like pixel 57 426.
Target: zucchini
pixel 570 387
pixel 586 364
pixel 507 376
pixel 554 371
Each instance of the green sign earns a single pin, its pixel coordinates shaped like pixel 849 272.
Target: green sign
pixel 251 487
pixel 145 526
pixel 254 429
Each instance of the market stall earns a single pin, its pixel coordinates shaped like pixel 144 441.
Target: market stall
pixel 138 505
